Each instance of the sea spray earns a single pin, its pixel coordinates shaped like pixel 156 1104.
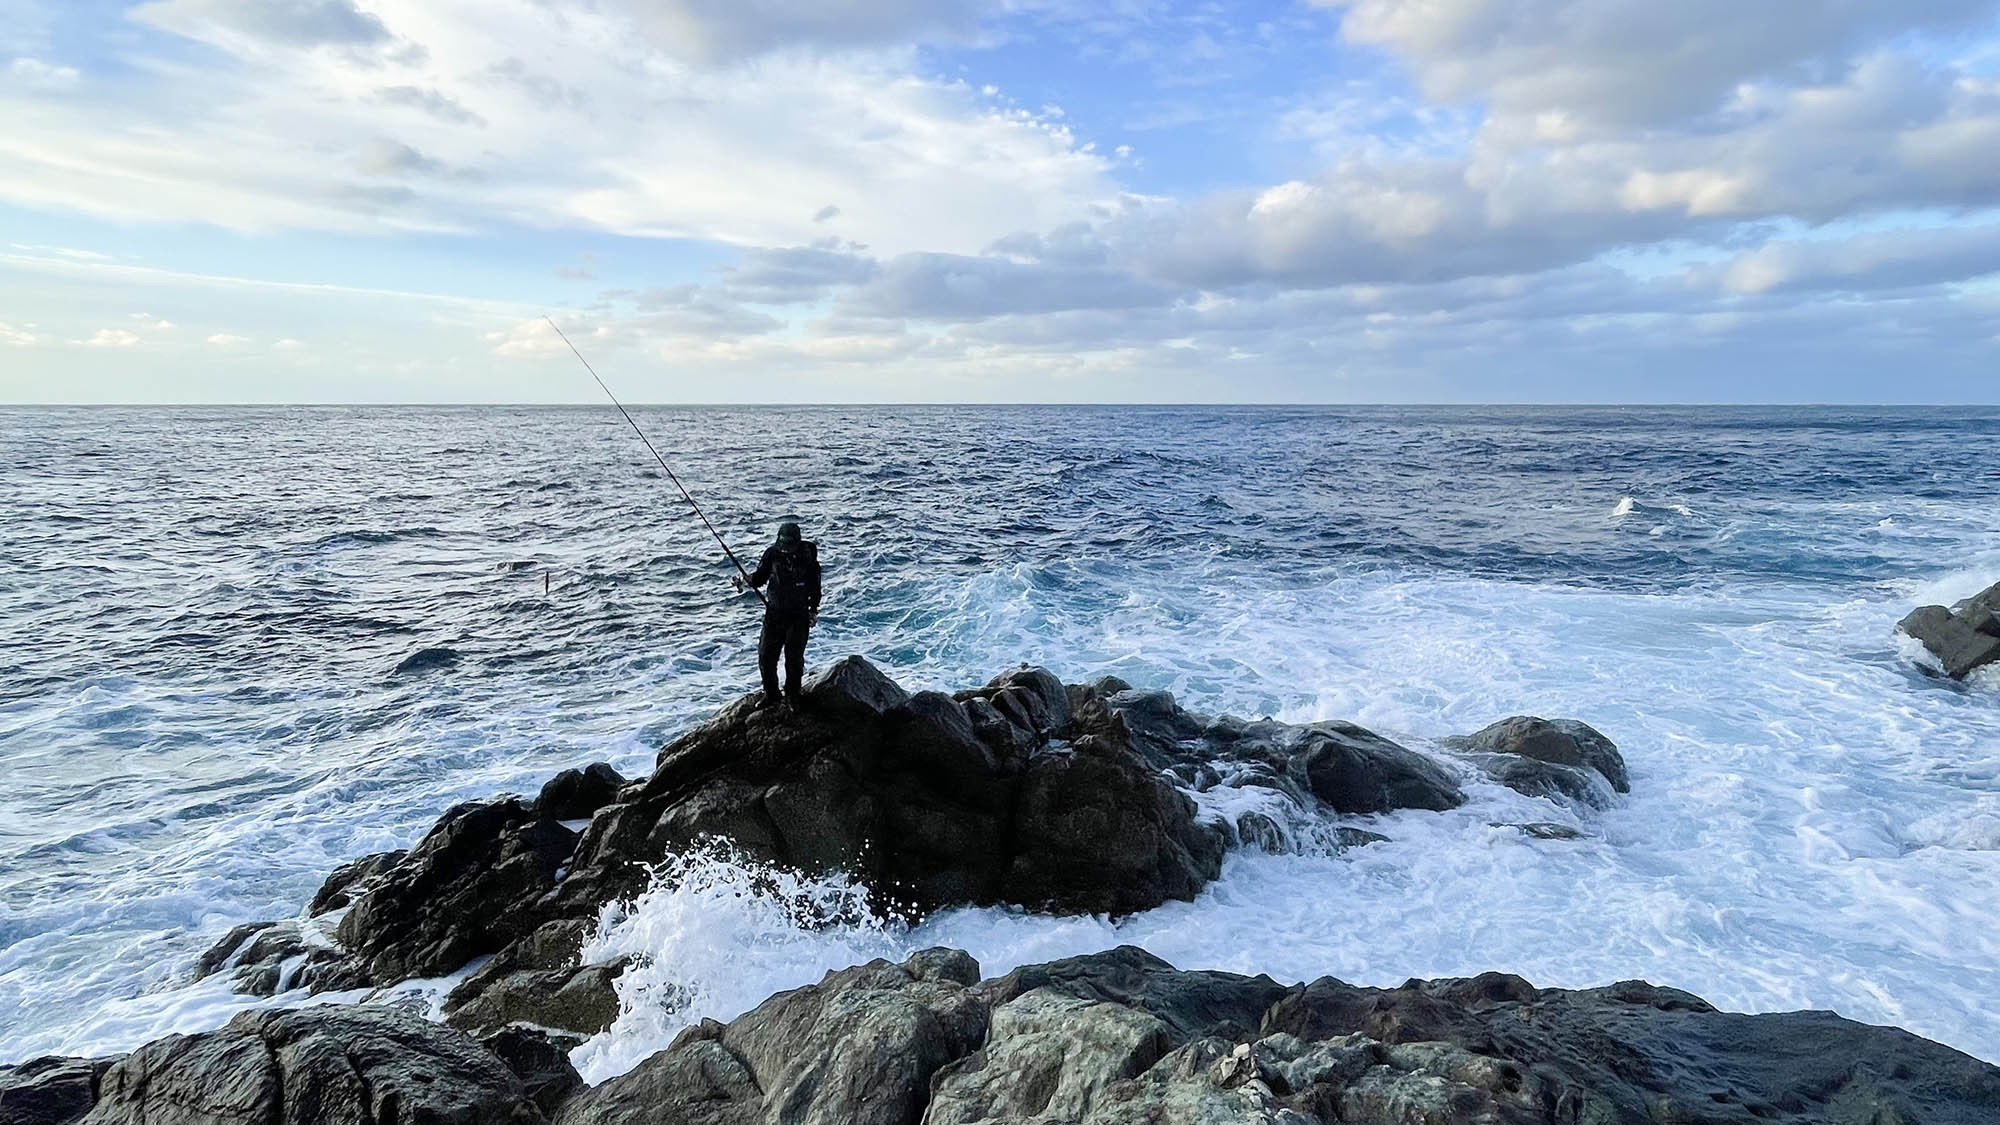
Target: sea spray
pixel 713 937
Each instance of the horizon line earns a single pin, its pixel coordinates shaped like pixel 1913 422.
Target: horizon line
pixel 420 404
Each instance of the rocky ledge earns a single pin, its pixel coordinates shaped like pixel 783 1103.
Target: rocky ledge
pixel 1963 638
pixel 1115 1037
pixel 1079 798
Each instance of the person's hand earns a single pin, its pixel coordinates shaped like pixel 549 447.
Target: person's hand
pixel 813 622
pixel 736 580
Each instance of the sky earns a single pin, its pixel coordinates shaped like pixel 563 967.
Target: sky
pixel 1297 201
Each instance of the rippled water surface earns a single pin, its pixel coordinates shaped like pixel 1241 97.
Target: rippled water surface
pixel 202 613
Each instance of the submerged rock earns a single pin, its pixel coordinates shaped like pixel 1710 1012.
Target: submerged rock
pixel 1561 759
pixel 1123 1036
pixel 1964 638
pixel 428 660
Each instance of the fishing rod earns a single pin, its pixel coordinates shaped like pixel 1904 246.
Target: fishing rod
pixel 685 495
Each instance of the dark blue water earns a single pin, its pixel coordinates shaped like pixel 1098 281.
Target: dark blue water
pixel 202 612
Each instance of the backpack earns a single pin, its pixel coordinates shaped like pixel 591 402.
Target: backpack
pixel 794 574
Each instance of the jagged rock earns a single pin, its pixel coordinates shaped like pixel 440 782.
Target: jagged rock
pixel 49 1091
pixel 1122 1037
pixel 350 879
pixel 268 958
pixel 860 1046
pixel 1340 766
pixel 852 683
pixel 576 794
pixel 314 1066
pixel 537 980
pixel 1026 791
pixel 929 800
pixel 475 883
pixel 1964 638
pixel 1560 742
pixel 540 1061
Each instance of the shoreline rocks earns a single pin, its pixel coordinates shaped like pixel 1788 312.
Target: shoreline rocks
pixel 1963 638
pixel 1062 798
pixel 1113 1038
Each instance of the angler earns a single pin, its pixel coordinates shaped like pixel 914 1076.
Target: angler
pixel 790 567
pixel 789 575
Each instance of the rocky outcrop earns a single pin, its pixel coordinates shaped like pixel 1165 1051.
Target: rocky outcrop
pixel 1562 759
pixel 341 1065
pixel 1092 798
pixel 49 1091
pixel 1124 1037
pixel 539 981
pixel 929 800
pixel 1964 638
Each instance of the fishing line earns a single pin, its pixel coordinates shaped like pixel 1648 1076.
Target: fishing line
pixel 668 469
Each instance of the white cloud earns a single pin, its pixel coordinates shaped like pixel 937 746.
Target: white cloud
pixel 1628 62
pixel 111 338
pixel 602 130
pixel 17 337
pixel 227 340
pixel 1882 260
pixel 38 75
pixel 528 338
pixel 287 344
pixel 710 30
pixel 289 23
pixel 1888 133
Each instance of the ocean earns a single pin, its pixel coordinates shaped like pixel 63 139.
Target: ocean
pixel 203 612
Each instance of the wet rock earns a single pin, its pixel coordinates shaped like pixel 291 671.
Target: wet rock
pixel 860 1046
pixel 930 800
pixel 1025 791
pixel 268 958
pixel 1358 771
pixel 1358 837
pixel 1964 638
pixel 1546 830
pixel 853 684
pixel 571 997
pixel 540 1060
pixel 1122 1036
pixel 1571 785
pixel 49 1091
pixel 1096 833
pixel 341 1065
pixel 350 879
pixel 576 794
pixel 428 660
pixel 479 880
pixel 1559 742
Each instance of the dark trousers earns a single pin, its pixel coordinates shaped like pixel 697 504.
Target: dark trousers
pixel 783 629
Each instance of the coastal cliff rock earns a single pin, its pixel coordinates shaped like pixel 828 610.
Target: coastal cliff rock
pixel 1964 638
pixel 1078 799
pixel 1123 1037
